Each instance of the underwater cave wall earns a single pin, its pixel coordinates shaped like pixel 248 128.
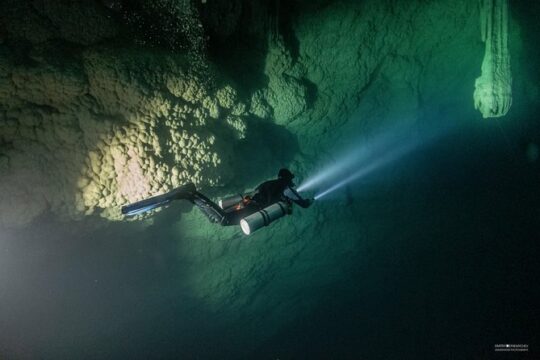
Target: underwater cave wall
pixel 355 67
pixel 93 116
pixel 493 90
pixel 106 108
pixel 90 120
pixel 98 133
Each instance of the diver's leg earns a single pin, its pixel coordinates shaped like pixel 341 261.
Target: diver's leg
pixel 217 215
pixel 182 192
pixel 209 208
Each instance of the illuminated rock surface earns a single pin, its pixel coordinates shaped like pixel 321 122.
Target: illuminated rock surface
pixel 108 102
pixel 109 127
pixel 101 135
pixel 88 130
pixel 493 93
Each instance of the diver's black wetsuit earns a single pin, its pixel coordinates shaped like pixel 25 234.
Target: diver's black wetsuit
pixel 272 191
pixel 268 193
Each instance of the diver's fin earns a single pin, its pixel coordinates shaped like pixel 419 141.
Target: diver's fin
pixel 214 213
pixel 183 192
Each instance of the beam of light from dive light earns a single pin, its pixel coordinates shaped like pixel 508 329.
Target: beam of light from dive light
pixel 350 159
pixel 368 156
pixel 363 171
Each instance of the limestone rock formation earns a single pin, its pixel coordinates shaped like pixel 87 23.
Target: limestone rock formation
pixel 45 20
pixel 92 135
pixel 362 80
pixel 103 127
pixel 286 93
pixel 493 93
pixel 121 108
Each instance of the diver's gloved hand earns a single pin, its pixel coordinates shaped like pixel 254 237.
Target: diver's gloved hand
pixel 305 203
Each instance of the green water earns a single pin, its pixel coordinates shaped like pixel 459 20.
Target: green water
pixel 433 255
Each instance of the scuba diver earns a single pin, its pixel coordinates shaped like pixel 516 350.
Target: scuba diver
pixel 271 200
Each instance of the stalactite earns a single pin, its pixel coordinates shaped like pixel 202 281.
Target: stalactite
pixel 493 89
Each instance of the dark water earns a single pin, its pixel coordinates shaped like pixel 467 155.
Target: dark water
pixel 454 266
pixel 450 268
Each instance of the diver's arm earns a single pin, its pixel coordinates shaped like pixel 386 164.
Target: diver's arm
pixel 304 203
pixel 297 199
pixel 249 193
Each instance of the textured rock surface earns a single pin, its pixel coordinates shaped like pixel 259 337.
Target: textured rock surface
pixel 137 123
pixel 100 133
pixel 78 22
pixel 363 81
pixel 493 93
pixel 85 130
pixel 91 121
pixel 286 94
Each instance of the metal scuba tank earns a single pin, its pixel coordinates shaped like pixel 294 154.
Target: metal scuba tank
pixel 230 201
pixel 263 217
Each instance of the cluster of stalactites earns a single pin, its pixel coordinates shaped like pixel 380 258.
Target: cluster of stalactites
pixel 493 89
